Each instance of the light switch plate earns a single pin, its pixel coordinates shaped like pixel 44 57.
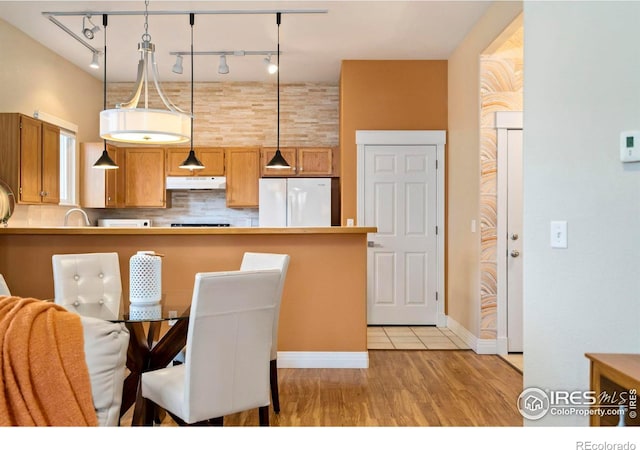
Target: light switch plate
pixel 559 234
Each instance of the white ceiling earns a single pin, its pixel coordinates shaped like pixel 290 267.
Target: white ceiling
pixel 312 45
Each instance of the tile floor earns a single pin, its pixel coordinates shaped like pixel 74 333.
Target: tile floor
pixel 413 338
pixel 516 360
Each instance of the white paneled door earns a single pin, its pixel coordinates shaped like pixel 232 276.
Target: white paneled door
pixel 400 199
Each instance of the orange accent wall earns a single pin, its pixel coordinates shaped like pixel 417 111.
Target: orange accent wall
pixel 324 299
pixel 386 95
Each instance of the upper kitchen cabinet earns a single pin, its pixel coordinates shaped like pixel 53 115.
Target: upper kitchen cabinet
pixel 304 161
pixel 139 181
pixel 211 157
pixel 243 173
pixel 144 178
pixel 289 154
pixel 30 158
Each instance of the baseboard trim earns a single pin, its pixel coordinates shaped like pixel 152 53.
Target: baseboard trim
pixel 480 346
pixel 323 360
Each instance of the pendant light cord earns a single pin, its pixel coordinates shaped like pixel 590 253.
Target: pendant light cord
pixel 104 88
pixel 278 17
pixel 192 19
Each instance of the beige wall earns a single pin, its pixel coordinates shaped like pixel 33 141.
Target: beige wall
pixel 34 78
pixel 463 264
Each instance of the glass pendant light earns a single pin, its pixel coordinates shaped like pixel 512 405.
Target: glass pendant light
pixel 105 161
pixel 192 161
pixel 278 161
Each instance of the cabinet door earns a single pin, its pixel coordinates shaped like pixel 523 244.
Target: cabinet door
pixel 144 180
pixel 30 160
pixel 315 161
pixel 113 190
pixel 212 158
pixel 289 154
pixel 243 172
pixel 50 164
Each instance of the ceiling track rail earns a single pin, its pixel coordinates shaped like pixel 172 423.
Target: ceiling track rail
pixel 73 35
pixel 226 53
pixel 179 13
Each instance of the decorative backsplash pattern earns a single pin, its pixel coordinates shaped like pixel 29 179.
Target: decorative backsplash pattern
pixel 501 77
pixel 237 114
pixel 187 206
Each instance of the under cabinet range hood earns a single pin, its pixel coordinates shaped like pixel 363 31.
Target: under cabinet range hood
pixel 199 183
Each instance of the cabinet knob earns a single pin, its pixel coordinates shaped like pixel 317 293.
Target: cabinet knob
pixel 515 253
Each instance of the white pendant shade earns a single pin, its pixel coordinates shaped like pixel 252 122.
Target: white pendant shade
pixel 145 126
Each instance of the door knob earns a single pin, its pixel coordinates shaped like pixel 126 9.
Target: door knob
pixel 514 237
pixel 515 253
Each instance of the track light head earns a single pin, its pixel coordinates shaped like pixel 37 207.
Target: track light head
pixel 95 63
pixel 89 31
pixel 271 66
pixel 177 67
pixel 223 68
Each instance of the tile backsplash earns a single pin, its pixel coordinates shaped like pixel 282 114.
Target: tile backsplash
pixel 186 206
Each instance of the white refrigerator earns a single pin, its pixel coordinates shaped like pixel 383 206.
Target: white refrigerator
pixel 295 202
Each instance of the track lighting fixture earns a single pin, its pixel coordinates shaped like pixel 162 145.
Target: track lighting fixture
pixel 105 162
pixel 95 63
pixel 223 68
pixel 90 30
pixel 271 66
pixel 192 162
pixel 278 161
pixel 177 67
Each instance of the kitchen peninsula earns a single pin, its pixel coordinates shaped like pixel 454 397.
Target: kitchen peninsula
pixel 323 317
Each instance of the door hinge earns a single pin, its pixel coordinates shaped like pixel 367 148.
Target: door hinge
pixel 436 164
pixel 436 230
pixel 436 295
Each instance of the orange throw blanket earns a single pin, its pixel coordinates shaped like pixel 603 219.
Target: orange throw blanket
pixel 44 375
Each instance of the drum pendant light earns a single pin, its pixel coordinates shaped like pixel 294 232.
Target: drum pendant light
pixel 105 161
pixel 191 162
pixel 278 161
pixel 129 123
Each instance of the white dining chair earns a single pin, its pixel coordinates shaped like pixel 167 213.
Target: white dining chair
pixel 228 350
pixel 4 289
pixel 88 283
pixel 256 261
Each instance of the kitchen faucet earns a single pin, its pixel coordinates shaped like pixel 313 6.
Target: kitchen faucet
pixel 84 214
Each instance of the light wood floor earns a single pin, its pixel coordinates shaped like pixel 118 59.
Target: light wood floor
pixel 400 388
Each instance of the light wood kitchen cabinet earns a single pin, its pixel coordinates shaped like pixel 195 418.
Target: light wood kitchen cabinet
pixel 288 153
pixel 144 178
pixel 211 157
pixel 139 181
pixel 243 173
pixel 30 158
pixel 304 161
pixel 101 188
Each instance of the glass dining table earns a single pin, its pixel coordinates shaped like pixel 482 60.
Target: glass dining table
pixel 156 336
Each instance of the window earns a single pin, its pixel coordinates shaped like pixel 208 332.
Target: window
pixel 68 175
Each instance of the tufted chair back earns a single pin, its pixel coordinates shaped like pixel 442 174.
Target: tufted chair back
pixel 4 289
pixel 88 283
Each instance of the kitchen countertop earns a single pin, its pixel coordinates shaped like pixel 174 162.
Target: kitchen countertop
pixel 186 230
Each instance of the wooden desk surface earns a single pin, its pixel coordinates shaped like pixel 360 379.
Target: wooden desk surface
pixel 626 365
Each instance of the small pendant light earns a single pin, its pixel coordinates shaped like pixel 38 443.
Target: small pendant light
pixel 278 161
pixel 105 161
pixel 192 161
